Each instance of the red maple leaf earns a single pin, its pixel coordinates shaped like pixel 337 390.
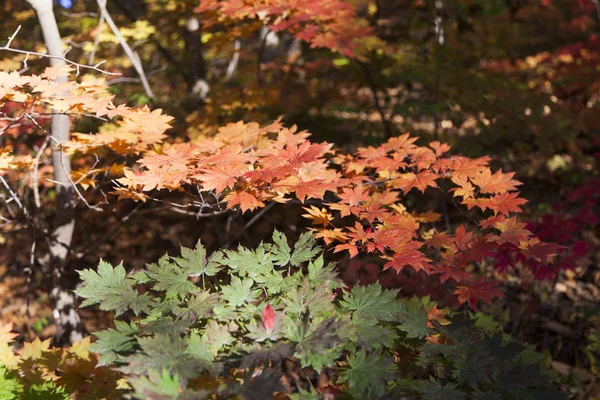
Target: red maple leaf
pixel 480 289
pixel 268 318
pixel 452 272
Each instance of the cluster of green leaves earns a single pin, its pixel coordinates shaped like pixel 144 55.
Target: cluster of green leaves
pixel 231 324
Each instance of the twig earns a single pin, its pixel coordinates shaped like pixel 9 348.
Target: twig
pixel 74 185
pixel 97 39
pixel 13 195
pixel 132 56
pixel 77 66
pixel 36 163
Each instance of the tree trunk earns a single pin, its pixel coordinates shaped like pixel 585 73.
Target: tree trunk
pixel 69 327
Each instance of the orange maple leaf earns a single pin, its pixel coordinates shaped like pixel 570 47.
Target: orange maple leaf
pixel 318 216
pixel 245 200
pixel 512 231
pixel 498 182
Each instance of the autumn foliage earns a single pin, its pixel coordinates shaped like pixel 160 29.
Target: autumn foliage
pixel 438 157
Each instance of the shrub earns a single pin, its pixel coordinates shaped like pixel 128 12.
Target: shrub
pixel 237 322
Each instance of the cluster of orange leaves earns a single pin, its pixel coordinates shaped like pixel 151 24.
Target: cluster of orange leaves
pixel 25 101
pixel 360 196
pixel 330 24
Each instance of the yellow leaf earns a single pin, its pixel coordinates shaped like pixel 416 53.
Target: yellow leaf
pixel 8 358
pixel 319 217
pixel 6 336
pixel 81 349
pixel 35 349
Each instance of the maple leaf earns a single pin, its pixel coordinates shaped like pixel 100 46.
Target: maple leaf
pixel 503 203
pixel 440 148
pixel 56 71
pixel 268 318
pixel 330 235
pixel 451 272
pixel 480 289
pixel 439 240
pixel 352 249
pixel 318 216
pixel 462 237
pixel 6 336
pixel 353 196
pixel 541 251
pixel 463 168
pixel 81 348
pixel 512 231
pixel 407 254
pixel 34 350
pixel 498 182
pixel 465 189
pixel 219 178
pixel 246 201
pixel 420 181
pixel 314 189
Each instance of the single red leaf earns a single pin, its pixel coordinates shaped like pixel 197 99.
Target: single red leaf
pixel 268 317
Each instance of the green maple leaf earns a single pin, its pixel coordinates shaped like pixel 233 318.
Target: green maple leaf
pixel 111 289
pixel 199 348
pixel 10 387
pixel 111 342
pixel 217 337
pixel 433 390
pixel 317 299
pixel 249 263
pixel 194 263
pixel 280 250
pixel 199 305
pixel 415 324
pixel 373 302
pixel 239 291
pixel 304 249
pixel 318 273
pixel 170 278
pixel 320 347
pixel 367 373
pixel 374 335
pixel 157 385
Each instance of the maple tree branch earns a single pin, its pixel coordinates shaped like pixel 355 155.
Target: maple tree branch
pixel 55 57
pixel 135 59
pixel 13 195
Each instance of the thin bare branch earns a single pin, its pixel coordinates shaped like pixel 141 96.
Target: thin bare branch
pixel 135 60
pixel 77 66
